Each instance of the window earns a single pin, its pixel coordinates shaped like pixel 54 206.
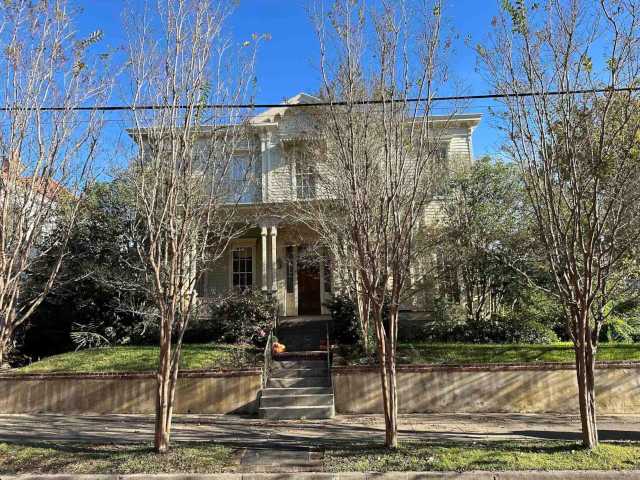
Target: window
pixel 441 168
pixel 241 185
pixel 242 268
pixel 290 272
pixel 327 274
pixel 305 178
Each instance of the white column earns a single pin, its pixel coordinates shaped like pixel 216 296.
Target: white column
pixel 264 258
pixel 263 168
pixel 274 266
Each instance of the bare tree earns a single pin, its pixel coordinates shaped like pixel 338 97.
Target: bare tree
pixel 379 159
pixel 45 156
pixel 578 152
pixel 192 163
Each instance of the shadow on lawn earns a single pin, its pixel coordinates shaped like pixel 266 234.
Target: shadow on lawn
pixel 51 457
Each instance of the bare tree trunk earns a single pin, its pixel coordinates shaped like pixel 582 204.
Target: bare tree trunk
pixel 392 431
pixel 6 333
pixel 3 350
pixel 364 308
pixel 163 392
pixel 585 372
pixel 388 381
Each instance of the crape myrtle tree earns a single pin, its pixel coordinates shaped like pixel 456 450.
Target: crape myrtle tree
pixel 579 152
pixel 378 160
pixel 45 156
pixel 192 164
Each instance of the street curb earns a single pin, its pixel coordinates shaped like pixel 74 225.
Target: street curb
pixel 472 475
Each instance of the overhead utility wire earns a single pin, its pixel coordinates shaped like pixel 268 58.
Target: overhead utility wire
pixel 115 108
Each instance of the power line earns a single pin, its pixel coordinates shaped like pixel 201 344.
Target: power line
pixel 242 106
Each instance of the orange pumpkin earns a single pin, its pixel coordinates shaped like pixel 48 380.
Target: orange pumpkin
pixel 278 348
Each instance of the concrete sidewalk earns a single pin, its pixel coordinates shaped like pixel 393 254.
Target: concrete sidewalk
pixel 245 432
pixel 294 448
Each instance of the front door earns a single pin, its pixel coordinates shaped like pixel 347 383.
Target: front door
pixel 309 290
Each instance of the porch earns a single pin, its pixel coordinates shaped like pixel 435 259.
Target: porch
pixel 274 257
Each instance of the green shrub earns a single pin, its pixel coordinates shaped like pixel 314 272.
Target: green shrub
pixel 245 317
pixel 444 323
pixel 344 314
pixel 622 321
pixel 449 323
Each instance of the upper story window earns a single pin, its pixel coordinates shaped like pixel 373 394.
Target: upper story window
pixel 305 177
pixel 242 187
pixel 441 167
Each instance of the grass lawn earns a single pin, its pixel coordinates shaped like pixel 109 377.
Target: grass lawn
pixel 122 459
pixel 144 358
pixel 211 458
pixel 205 356
pixel 458 353
pixel 548 455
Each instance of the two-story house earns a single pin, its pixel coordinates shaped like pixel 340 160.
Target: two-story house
pixel 268 256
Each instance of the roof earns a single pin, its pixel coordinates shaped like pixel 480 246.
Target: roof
pixel 269 115
pixel 50 188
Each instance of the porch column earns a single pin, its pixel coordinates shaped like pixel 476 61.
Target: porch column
pixel 274 265
pixel 263 233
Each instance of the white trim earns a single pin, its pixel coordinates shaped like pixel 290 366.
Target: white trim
pixel 264 278
pixel 243 243
pixel 274 258
pixel 263 168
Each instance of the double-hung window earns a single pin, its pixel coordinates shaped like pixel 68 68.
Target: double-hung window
pixel 305 177
pixel 242 185
pixel 242 268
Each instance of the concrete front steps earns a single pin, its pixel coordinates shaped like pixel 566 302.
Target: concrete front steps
pixel 298 387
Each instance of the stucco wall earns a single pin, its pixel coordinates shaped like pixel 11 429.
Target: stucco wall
pixel 510 389
pixel 197 392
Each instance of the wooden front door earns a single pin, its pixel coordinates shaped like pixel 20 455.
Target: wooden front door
pixel 309 290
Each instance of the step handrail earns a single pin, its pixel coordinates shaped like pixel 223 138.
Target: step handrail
pixel 328 355
pixel 268 351
pixel 268 358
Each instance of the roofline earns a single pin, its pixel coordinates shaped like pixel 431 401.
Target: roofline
pixel 201 129
pixel 470 119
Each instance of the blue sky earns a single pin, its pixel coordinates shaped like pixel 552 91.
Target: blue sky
pixel 287 64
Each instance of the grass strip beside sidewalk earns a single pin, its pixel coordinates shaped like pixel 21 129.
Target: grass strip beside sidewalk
pixel 492 456
pixel 50 458
pixel 67 458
